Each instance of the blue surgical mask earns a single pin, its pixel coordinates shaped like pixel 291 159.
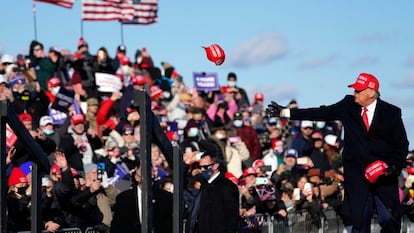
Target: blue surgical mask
pixel 207 173
pixel 48 131
pixel 193 132
pixel 238 123
pixel 55 90
pixel 320 124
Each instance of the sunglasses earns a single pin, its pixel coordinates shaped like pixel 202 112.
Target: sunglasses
pixel 308 128
pixel 355 91
pixel 205 167
pixel 127 133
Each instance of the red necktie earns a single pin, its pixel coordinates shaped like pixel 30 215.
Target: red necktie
pixel 365 118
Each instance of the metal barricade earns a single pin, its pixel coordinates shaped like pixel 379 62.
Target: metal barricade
pixel 90 230
pixel 63 230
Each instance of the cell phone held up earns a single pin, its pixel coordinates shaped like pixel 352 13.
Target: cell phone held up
pixel 100 171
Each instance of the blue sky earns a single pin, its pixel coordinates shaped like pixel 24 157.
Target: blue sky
pixel 307 50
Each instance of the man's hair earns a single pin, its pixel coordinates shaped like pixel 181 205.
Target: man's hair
pixel 232 74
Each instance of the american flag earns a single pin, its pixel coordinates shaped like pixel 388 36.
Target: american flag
pixel 63 3
pixel 145 12
pixel 100 10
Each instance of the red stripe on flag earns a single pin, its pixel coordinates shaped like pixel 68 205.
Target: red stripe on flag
pixel 62 3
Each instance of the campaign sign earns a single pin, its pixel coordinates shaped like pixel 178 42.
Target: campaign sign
pixel 63 100
pixel 205 81
pixel 108 82
pixel 58 117
pixel 11 137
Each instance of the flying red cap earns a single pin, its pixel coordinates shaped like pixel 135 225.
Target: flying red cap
pixel 365 81
pixel 215 54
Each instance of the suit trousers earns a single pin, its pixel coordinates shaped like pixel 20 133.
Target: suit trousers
pixel 388 223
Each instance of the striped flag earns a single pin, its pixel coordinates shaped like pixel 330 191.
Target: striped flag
pixel 63 3
pixel 145 12
pixel 101 10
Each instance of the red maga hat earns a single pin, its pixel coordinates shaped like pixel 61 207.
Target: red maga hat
pixel 365 81
pixel 215 54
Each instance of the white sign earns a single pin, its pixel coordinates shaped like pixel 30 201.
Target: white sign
pixel 108 82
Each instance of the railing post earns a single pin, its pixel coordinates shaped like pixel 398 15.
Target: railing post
pixel 3 167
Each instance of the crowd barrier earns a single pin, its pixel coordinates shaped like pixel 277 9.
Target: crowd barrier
pixel 301 222
pixel 297 222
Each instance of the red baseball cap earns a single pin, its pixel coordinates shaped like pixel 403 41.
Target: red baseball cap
pixel 249 171
pixel 365 81
pixel 78 118
pixel 215 54
pixel 258 96
pixel 258 163
pixel 53 82
pixel 375 170
pixel 138 79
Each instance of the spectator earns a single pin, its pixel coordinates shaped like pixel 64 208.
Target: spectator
pixel 274 157
pixel 241 96
pixel 302 142
pixel 317 155
pixel 249 137
pixel 92 105
pixel 83 77
pixel 288 171
pixel 44 67
pixel 79 143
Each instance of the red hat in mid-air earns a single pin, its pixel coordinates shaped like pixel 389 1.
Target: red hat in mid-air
pixel 215 54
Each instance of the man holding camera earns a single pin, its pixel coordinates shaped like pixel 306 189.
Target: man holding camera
pixel 375 148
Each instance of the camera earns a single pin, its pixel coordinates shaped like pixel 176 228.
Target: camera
pixel 266 168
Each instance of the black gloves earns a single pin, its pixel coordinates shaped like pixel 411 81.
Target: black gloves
pixel 274 109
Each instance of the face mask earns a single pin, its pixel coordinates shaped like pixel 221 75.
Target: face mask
pixel 55 90
pixel 207 173
pixel 125 69
pixel 231 83
pixel 238 123
pixel 48 131
pixel 288 204
pixel 193 132
pixel 278 151
pixel 219 136
pixel 166 94
pixel 320 124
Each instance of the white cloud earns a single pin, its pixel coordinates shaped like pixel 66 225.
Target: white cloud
pixel 318 62
pixel 258 50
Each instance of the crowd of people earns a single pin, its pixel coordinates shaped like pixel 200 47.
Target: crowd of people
pixel 238 161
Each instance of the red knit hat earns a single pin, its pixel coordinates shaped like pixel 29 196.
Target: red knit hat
pixel 17 176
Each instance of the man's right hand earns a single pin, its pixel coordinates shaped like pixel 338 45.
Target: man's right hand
pixel 274 109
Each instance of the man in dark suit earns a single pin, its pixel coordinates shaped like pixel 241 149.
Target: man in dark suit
pixel 373 156
pixel 127 210
pixel 219 201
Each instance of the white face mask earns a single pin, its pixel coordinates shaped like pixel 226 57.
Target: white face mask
pixel 231 83
pixel 238 123
pixel 219 136
pixel 124 69
pixel 166 94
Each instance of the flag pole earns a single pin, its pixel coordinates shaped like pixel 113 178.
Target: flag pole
pixel 81 27
pixel 34 18
pixel 122 33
